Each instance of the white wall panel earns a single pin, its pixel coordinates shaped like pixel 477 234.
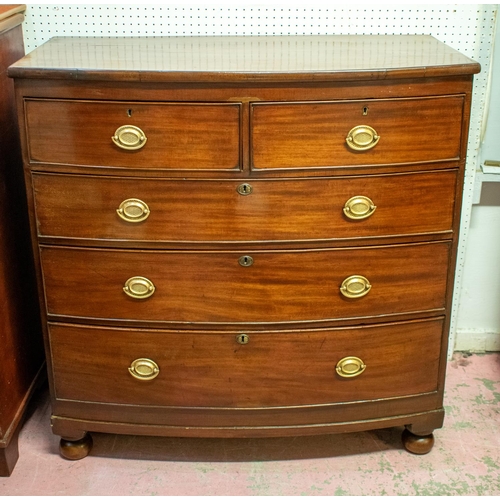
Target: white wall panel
pixel 467 28
pixel 478 320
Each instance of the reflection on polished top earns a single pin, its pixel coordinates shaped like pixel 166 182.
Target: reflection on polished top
pixel 305 58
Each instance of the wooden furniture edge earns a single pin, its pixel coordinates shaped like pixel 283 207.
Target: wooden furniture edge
pixel 9 448
pixel 11 16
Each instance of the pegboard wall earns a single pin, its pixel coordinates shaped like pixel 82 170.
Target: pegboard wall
pixel 467 28
pixel 461 26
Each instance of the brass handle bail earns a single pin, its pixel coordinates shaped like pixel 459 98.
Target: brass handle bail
pixel 351 366
pixel 355 287
pixel 129 137
pixel 133 210
pixel 362 138
pixel 139 287
pixel 359 207
pixel 144 369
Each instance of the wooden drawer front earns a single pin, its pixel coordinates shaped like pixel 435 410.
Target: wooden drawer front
pixel 196 211
pixel 213 287
pixel 272 369
pixel 179 136
pixel 294 135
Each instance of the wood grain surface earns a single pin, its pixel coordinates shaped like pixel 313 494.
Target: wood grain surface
pixel 179 135
pixel 244 59
pixel 273 369
pixel 85 207
pixel 290 135
pixel 280 286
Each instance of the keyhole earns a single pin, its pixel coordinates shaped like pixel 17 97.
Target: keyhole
pixel 129 113
pixel 365 110
pixel 245 261
pixel 245 189
pixel 242 339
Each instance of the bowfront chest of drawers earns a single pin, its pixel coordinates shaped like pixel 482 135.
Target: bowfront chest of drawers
pixel 245 237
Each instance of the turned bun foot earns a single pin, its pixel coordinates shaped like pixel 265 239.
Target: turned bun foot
pixel 420 445
pixel 76 450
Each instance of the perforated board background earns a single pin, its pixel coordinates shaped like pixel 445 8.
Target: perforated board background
pixel 467 28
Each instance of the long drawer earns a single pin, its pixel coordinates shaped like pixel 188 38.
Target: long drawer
pixel 258 287
pixel 94 208
pixel 204 369
pixel 367 132
pixel 196 136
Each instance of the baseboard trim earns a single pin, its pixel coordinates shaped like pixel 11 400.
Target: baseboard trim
pixel 475 340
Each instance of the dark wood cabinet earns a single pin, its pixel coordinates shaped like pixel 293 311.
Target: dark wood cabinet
pixel 233 240
pixel 21 349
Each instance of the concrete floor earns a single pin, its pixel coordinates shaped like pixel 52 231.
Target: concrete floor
pixel 465 459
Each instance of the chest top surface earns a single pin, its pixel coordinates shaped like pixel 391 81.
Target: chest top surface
pixel 272 59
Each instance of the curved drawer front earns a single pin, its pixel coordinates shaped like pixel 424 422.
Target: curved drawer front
pixel 87 207
pixel 380 131
pixel 134 135
pixel 258 287
pixel 202 369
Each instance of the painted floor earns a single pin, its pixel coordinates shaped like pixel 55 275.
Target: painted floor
pixel 465 459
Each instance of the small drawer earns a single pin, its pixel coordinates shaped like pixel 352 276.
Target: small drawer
pixel 254 287
pixel 104 208
pixel 195 136
pixel 213 369
pixel 350 133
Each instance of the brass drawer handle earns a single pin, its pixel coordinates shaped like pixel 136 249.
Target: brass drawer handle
pixel 244 189
pixel 133 210
pixel 351 366
pixel 362 138
pixel 129 137
pixel 359 207
pixel 139 287
pixel 355 287
pixel 144 369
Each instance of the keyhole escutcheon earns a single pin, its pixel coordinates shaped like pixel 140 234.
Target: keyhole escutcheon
pixel 243 338
pixel 245 261
pixel 244 189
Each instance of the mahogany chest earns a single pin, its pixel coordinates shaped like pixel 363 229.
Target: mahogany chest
pixel 245 237
pixel 21 347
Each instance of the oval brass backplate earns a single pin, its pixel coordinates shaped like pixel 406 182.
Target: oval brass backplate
pixel 359 207
pixel 129 137
pixel 351 366
pixel 139 287
pixel 133 210
pixel 362 138
pixel 144 369
pixel 355 287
